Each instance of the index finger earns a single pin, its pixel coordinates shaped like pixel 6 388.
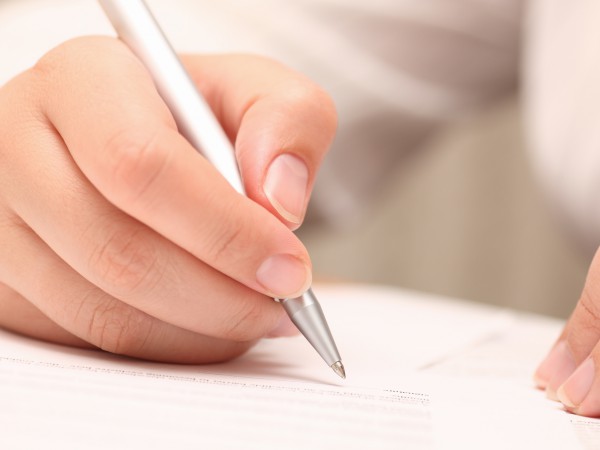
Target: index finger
pixel 124 139
pixel 281 122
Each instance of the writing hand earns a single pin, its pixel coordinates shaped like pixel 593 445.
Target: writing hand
pixel 116 233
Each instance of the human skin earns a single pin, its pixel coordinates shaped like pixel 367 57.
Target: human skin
pixel 116 234
pixel 570 373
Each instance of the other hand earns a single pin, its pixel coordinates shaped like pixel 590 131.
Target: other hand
pixel 571 371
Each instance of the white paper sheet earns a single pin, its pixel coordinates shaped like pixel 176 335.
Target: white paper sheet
pixel 423 372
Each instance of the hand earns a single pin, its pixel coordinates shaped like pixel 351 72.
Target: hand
pixel 116 233
pixel 571 371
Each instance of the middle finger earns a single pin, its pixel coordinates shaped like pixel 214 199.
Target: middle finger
pixel 122 256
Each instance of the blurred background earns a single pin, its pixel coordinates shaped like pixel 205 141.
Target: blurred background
pixel 466 218
pixel 429 185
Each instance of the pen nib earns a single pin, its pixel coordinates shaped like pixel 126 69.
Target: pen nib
pixel 338 368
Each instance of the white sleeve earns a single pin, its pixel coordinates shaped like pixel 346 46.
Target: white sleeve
pixel 396 68
pixel 562 114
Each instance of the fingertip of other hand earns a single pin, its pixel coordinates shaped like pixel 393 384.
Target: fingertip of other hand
pixel 578 387
pixel 555 369
pixel 540 383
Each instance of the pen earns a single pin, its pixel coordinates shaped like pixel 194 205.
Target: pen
pixel 137 28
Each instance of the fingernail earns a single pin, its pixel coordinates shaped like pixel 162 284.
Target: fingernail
pixel 576 388
pixel 285 328
pixel 557 367
pixel 284 276
pixel 543 372
pixel 285 187
pixel 547 367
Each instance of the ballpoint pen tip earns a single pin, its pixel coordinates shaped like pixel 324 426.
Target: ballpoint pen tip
pixel 338 368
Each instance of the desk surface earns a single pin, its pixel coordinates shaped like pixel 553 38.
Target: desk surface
pixel 423 372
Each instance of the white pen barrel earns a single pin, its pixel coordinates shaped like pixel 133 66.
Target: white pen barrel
pixel 136 26
pixel 138 29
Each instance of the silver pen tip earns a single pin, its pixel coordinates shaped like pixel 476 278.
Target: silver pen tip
pixel 338 368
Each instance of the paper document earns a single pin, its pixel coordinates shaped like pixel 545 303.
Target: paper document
pixel 423 373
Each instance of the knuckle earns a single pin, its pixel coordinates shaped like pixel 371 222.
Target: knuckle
pixel 309 95
pixel 230 241
pixel 119 329
pixel 135 162
pixel 328 110
pixel 226 244
pixel 55 61
pixel 299 90
pixel 240 326
pixel 49 63
pixel 591 309
pixel 73 53
pixel 126 262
